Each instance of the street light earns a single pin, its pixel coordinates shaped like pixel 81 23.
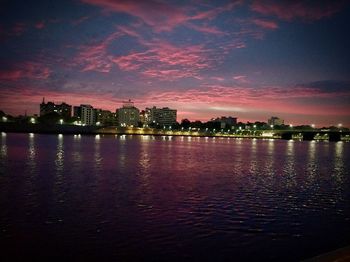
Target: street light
pixel 61 121
pixel 313 125
pixel 4 119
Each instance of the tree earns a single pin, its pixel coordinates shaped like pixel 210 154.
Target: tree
pixel 185 123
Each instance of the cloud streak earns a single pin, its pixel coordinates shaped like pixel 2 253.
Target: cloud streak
pixel 25 70
pixel 291 10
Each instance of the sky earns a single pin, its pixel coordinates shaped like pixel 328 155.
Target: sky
pixel 248 59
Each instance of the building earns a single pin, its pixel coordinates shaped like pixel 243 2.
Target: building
pixel 275 121
pixel 128 115
pixel 77 112
pixel 161 116
pixel 105 117
pixel 225 121
pixel 62 109
pixel 85 114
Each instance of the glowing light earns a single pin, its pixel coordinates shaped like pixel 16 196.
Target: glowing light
pixel 97 137
pixel 61 121
pixel 32 120
pixel 98 123
pixel 4 119
pixel 60 136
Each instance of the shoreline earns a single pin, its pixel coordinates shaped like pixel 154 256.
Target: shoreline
pixel 96 130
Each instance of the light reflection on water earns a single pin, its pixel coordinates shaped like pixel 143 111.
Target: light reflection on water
pixel 175 197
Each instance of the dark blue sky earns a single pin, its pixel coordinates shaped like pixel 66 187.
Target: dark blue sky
pixel 250 59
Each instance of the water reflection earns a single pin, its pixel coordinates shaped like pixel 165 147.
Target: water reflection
pixel 270 158
pixel 289 167
pixel 212 194
pixel 59 160
pixel 97 154
pixel 311 163
pixel 3 151
pixel 31 153
pixel 339 169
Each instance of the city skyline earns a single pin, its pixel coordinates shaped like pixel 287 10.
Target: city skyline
pixel 250 59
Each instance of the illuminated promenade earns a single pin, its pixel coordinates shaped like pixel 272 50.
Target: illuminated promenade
pixel 296 134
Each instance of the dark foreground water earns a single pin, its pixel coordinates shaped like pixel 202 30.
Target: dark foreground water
pixel 137 198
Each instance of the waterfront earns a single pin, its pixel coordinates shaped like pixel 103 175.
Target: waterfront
pixel 172 198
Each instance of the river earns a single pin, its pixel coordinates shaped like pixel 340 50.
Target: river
pixel 138 198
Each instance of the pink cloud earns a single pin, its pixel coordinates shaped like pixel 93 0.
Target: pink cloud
pixel 129 31
pixel 95 57
pixel 241 79
pixel 40 25
pixel 206 29
pixel 28 99
pixel 29 70
pixel 80 20
pixel 165 61
pixel 265 24
pixel 162 16
pixel 249 101
pixel 18 29
pixel 248 104
pixel 290 10
pixel 159 15
pixel 211 14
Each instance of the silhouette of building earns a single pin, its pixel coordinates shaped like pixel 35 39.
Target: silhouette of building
pixel 128 115
pixel 62 109
pixel 225 121
pixel 162 116
pixel 275 121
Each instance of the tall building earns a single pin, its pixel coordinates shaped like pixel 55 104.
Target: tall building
pixel 86 114
pixel 275 121
pixel 62 109
pixel 162 116
pixel 128 115
pixel 77 112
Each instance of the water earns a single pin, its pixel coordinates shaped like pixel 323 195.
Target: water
pixel 143 198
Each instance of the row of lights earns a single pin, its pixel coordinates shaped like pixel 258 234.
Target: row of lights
pixel 32 120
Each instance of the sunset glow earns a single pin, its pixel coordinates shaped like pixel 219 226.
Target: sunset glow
pixel 248 59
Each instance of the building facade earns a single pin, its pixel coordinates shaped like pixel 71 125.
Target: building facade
pixel 161 116
pixel 225 121
pixel 87 115
pixel 62 109
pixel 128 115
pixel 105 117
pixel 275 121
